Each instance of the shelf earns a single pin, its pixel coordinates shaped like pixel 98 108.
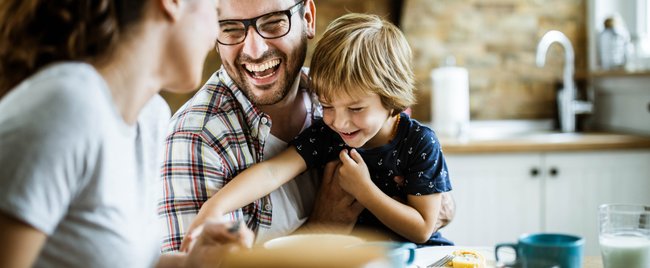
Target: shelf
pixel 619 73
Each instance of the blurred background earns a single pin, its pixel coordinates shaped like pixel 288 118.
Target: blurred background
pixel 495 40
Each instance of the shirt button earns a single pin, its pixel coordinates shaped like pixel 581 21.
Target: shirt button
pixel 268 207
pixel 264 120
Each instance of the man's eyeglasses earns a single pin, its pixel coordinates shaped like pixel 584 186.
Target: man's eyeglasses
pixel 270 26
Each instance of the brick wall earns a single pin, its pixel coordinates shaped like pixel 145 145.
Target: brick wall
pixel 496 41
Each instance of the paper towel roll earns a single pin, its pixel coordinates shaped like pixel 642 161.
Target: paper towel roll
pixel 450 101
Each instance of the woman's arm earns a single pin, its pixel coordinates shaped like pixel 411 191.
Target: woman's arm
pixel 250 185
pixel 20 243
pixel 414 220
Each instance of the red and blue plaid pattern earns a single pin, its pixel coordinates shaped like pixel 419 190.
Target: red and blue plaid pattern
pixel 214 136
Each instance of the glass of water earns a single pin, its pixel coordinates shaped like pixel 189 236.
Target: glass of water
pixel 625 235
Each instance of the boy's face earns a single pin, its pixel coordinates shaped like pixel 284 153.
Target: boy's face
pixel 361 120
pixel 265 69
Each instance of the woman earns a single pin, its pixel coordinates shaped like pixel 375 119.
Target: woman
pixel 81 127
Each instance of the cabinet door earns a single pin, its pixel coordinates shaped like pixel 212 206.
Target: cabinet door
pixel 585 180
pixel 497 197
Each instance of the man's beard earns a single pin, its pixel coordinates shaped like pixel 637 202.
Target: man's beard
pixel 283 85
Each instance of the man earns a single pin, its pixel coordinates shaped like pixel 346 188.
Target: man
pixel 246 112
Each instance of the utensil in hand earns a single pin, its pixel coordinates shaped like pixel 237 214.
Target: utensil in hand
pixel 235 227
pixel 441 262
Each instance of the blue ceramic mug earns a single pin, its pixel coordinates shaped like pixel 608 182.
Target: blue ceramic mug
pixel 399 254
pixel 545 250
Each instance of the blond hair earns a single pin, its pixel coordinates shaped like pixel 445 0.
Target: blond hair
pixel 364 53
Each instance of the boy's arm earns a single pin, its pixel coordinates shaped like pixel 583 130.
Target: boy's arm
pixel 414 220
pixel 257 181
pixel 250 185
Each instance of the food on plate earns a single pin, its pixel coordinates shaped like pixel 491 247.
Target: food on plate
pixel 467 259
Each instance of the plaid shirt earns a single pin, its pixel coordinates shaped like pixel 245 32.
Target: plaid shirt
pixel 213 137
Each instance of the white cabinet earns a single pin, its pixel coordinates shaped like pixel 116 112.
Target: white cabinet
pixel 503 195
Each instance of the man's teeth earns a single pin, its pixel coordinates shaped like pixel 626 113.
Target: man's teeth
pixel 262 67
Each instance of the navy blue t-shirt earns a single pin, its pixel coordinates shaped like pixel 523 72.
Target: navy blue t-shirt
pixel 414 155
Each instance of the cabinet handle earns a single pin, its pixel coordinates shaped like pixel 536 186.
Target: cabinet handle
pixel 554 172
pixel 534 172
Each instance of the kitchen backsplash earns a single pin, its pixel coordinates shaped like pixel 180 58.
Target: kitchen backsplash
pixel 494 39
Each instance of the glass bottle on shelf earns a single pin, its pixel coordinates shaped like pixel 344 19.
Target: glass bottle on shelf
pixel 613 44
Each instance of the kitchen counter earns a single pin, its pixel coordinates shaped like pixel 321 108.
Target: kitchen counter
pixel 545 142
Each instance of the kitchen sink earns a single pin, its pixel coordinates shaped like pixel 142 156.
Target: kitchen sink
pixel 514 129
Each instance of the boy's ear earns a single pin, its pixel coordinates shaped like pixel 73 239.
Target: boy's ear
pixel 170 8
pixel 310 18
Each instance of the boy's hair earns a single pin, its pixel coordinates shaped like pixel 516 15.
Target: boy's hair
pixel 361 52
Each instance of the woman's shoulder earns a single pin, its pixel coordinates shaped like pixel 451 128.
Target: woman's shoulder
pixel 64 85
pixel 56 100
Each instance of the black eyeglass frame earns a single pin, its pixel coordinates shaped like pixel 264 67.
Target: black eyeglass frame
pixel 253 22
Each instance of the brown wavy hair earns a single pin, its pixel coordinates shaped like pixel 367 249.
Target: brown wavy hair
pixel 34 33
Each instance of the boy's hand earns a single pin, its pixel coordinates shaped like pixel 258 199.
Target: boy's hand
pixel 215 241
pixel 355 178
pixel 205 213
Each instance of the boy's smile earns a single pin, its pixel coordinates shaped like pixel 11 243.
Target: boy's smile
pixel 361 120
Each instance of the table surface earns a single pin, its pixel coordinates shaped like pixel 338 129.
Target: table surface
pixel 428 255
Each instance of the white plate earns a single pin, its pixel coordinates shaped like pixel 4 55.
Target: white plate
pixel 316 240
pixel 428 255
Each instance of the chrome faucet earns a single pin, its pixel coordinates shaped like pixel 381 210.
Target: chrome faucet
pixel 568 105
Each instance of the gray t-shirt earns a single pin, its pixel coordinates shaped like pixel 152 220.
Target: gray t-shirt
pixel 73 169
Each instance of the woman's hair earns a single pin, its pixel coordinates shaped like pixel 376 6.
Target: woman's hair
pixel 34 33
pixel 360 52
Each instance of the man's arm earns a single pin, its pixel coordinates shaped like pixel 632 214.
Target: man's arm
pixel 191 172
pixel 334 209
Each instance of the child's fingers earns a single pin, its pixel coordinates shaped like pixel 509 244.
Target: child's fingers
pixel 345 158
pixel 356 156
pixel 236 232
pixel 185 244
pixel 190 238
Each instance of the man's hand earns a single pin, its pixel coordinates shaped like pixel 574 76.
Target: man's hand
pixel 217 240
pixel 334 209
pixel 447 211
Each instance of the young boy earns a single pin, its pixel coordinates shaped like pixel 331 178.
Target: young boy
pixel 391 164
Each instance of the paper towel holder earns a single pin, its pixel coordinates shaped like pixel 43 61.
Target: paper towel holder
pixel 450 99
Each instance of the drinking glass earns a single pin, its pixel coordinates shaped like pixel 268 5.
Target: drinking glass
pixel 625 235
